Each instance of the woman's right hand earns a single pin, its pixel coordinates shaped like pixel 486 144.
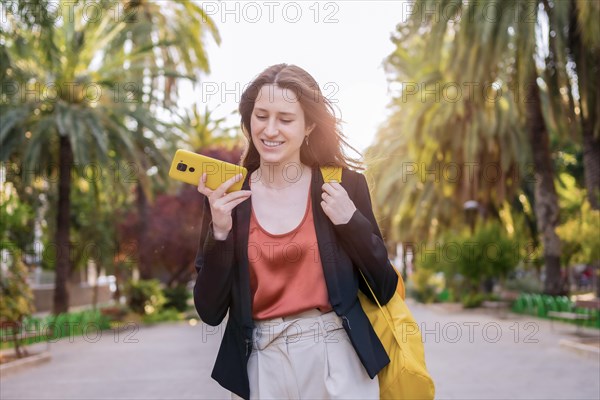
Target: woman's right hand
pixel 222 203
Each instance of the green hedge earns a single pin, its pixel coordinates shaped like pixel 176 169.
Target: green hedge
pixel 540 304
pixel 54 327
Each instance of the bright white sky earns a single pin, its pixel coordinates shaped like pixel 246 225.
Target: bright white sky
pixel 341 44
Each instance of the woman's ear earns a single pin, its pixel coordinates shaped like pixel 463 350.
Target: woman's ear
pixel 310 128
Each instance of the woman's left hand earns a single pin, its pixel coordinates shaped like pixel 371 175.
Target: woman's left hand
pixel 336 203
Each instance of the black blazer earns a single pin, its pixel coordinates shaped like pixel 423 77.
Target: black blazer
pixel 223 282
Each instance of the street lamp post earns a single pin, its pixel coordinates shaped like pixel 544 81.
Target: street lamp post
pixel 471 207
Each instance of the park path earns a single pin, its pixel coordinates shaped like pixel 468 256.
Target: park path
pixel 470 354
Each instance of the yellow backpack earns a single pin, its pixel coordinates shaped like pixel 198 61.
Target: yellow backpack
pixel 406 376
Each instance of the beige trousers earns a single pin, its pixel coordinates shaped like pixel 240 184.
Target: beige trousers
pixel 306 356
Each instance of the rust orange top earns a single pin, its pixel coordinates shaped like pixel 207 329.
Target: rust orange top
pixel 286 275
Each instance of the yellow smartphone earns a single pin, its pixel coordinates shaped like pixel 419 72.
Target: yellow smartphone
pixel 188 167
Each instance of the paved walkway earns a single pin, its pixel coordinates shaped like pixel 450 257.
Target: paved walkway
pixel 471 355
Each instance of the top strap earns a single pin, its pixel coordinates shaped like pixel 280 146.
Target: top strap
pixel 331 173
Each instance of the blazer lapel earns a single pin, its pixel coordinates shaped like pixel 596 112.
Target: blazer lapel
pixel 325 238
pixel 242 224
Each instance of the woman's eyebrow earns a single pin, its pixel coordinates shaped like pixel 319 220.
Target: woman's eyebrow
pixel 279 112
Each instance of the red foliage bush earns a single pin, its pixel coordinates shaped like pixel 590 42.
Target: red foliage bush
pixel 173 228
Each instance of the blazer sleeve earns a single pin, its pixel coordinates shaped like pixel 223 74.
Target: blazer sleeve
pixel 214 265
pixel 362 240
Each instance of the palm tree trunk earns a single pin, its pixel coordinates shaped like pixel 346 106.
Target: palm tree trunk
pixel 95 289
pixel 546 199
pixel 144 256
pixel 586 67
pixel 590 95
pixel 63 261
pixel 591 165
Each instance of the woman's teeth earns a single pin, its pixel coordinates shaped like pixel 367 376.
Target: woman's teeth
pixel 271 144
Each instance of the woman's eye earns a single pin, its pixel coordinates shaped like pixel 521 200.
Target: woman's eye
pixel 286 121
pixel 261 117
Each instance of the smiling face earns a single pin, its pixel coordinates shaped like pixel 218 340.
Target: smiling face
pixel 278 125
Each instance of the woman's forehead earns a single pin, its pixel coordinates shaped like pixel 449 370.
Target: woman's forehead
pixel 273 96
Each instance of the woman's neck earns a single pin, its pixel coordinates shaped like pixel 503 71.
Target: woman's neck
pixel 281 176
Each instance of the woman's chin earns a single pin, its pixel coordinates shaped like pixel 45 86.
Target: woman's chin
pixel 272 158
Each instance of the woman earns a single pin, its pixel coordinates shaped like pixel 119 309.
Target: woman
pixel 283 254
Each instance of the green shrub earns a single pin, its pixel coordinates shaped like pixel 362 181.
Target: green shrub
pixel 472 300
pixel 468 260
pixel 445 296
pixel 177 298
pixel 145 297
pixel 579 236
pixel 16 297
pixel 489 253
pixel 75 323
pixel 71 324
pixel 528 284
pixel 164 315
pixel 425 285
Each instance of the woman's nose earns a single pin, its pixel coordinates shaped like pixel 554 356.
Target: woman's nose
pixel 271 128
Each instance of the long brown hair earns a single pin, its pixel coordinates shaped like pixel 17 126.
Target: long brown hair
pixel 326 141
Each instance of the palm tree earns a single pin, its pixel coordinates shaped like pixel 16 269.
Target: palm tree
pixel 443 138
pixel 505 52
pixel 181 27
pixel 204 130
pixel 77 114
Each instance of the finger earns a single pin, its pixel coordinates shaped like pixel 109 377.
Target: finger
pixel 220 191
pixel 202 186
pixel 232 204
pixel 244 194
pixel 336 185
pixel 325 196
pixel 323 205
pixel 224 200
pixel 328 188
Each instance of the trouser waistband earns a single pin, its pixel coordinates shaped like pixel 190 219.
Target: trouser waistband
pixel 307 325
